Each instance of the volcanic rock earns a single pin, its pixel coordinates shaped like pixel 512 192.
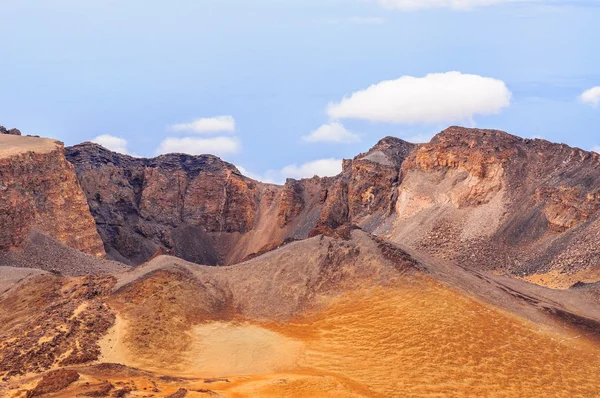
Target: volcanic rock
pixel 38 188
pixel 3 130
pixel 54 381
pixel 492 200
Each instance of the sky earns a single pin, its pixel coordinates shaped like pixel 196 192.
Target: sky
pixel 288 88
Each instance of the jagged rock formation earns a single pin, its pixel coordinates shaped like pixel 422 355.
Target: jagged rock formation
pixel 492 200
pixel 484 198
pixel 203 210
pixel 38 188
pixel 178 202
pixel 390 295
pixel 4 130
pixel 365 192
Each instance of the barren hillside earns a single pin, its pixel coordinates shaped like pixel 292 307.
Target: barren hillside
pixel 467 266
pixel 322 317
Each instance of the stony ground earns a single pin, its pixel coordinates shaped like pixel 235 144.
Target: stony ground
pixel 322 317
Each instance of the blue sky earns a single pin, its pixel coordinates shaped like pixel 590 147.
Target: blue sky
pixel 274 71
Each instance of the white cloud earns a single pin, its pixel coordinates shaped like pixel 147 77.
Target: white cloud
pixel 219 146
pixel 435 98
pixel 255 176
pixel 596 149
pixel 333 132
pixel 408 5
pixel 218 124
pixel 420 138
pixel 591 97
pixel 115 144
pixel 321 168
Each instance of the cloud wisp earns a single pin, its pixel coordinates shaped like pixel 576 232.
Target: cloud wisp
pixel 191 144
pixel 218 124
pixel 332 132
pixel 591 97
pixel 115 144
pixel 436 98
pixel 219 146
pixel 321 167
pixel 411 5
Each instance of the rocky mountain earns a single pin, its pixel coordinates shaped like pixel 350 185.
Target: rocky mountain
pixel 38 188
pixel 177 202
pixel 483 198
pixel 494 201
pixel 204 210
pixel 408 274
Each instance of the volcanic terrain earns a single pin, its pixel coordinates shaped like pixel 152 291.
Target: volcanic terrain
pixel 465 267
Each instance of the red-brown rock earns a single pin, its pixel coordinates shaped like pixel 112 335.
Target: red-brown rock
pixel 38 188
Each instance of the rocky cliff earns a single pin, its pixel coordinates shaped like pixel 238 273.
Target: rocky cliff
pixel 203 210
pixel 484 198
pixel 175 202
pixel 491 200
pixel 39 189
pixel 4 130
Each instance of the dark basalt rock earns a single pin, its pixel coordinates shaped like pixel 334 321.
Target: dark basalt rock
pixel 3 130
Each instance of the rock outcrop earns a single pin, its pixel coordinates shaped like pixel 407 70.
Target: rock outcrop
pixel 491 200
pixel 365 193
pixel 4 130
pixel 178 202
pixel 203 210
pixel 38 188
pixel 482 197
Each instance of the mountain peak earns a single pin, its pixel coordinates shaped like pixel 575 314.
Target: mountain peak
pixel 475 137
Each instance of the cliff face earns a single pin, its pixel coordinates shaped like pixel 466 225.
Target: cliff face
pixel 365 193
pixel 203 210
pixel 492 200
pixel 38 188
pixel 484 198
pixel 175 202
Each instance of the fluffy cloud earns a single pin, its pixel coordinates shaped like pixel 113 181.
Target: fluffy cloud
pixel 321 168
pixel 255 176
pixel 219 146
pixel 420 138
pixel 219 124
pixel 435 98
pixel 591 97
pixel 115 144
pixel 333 132
pixel 408 5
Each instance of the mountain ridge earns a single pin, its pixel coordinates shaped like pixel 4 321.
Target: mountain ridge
pixel 482 197
pixel 401 272
pixel 533 193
